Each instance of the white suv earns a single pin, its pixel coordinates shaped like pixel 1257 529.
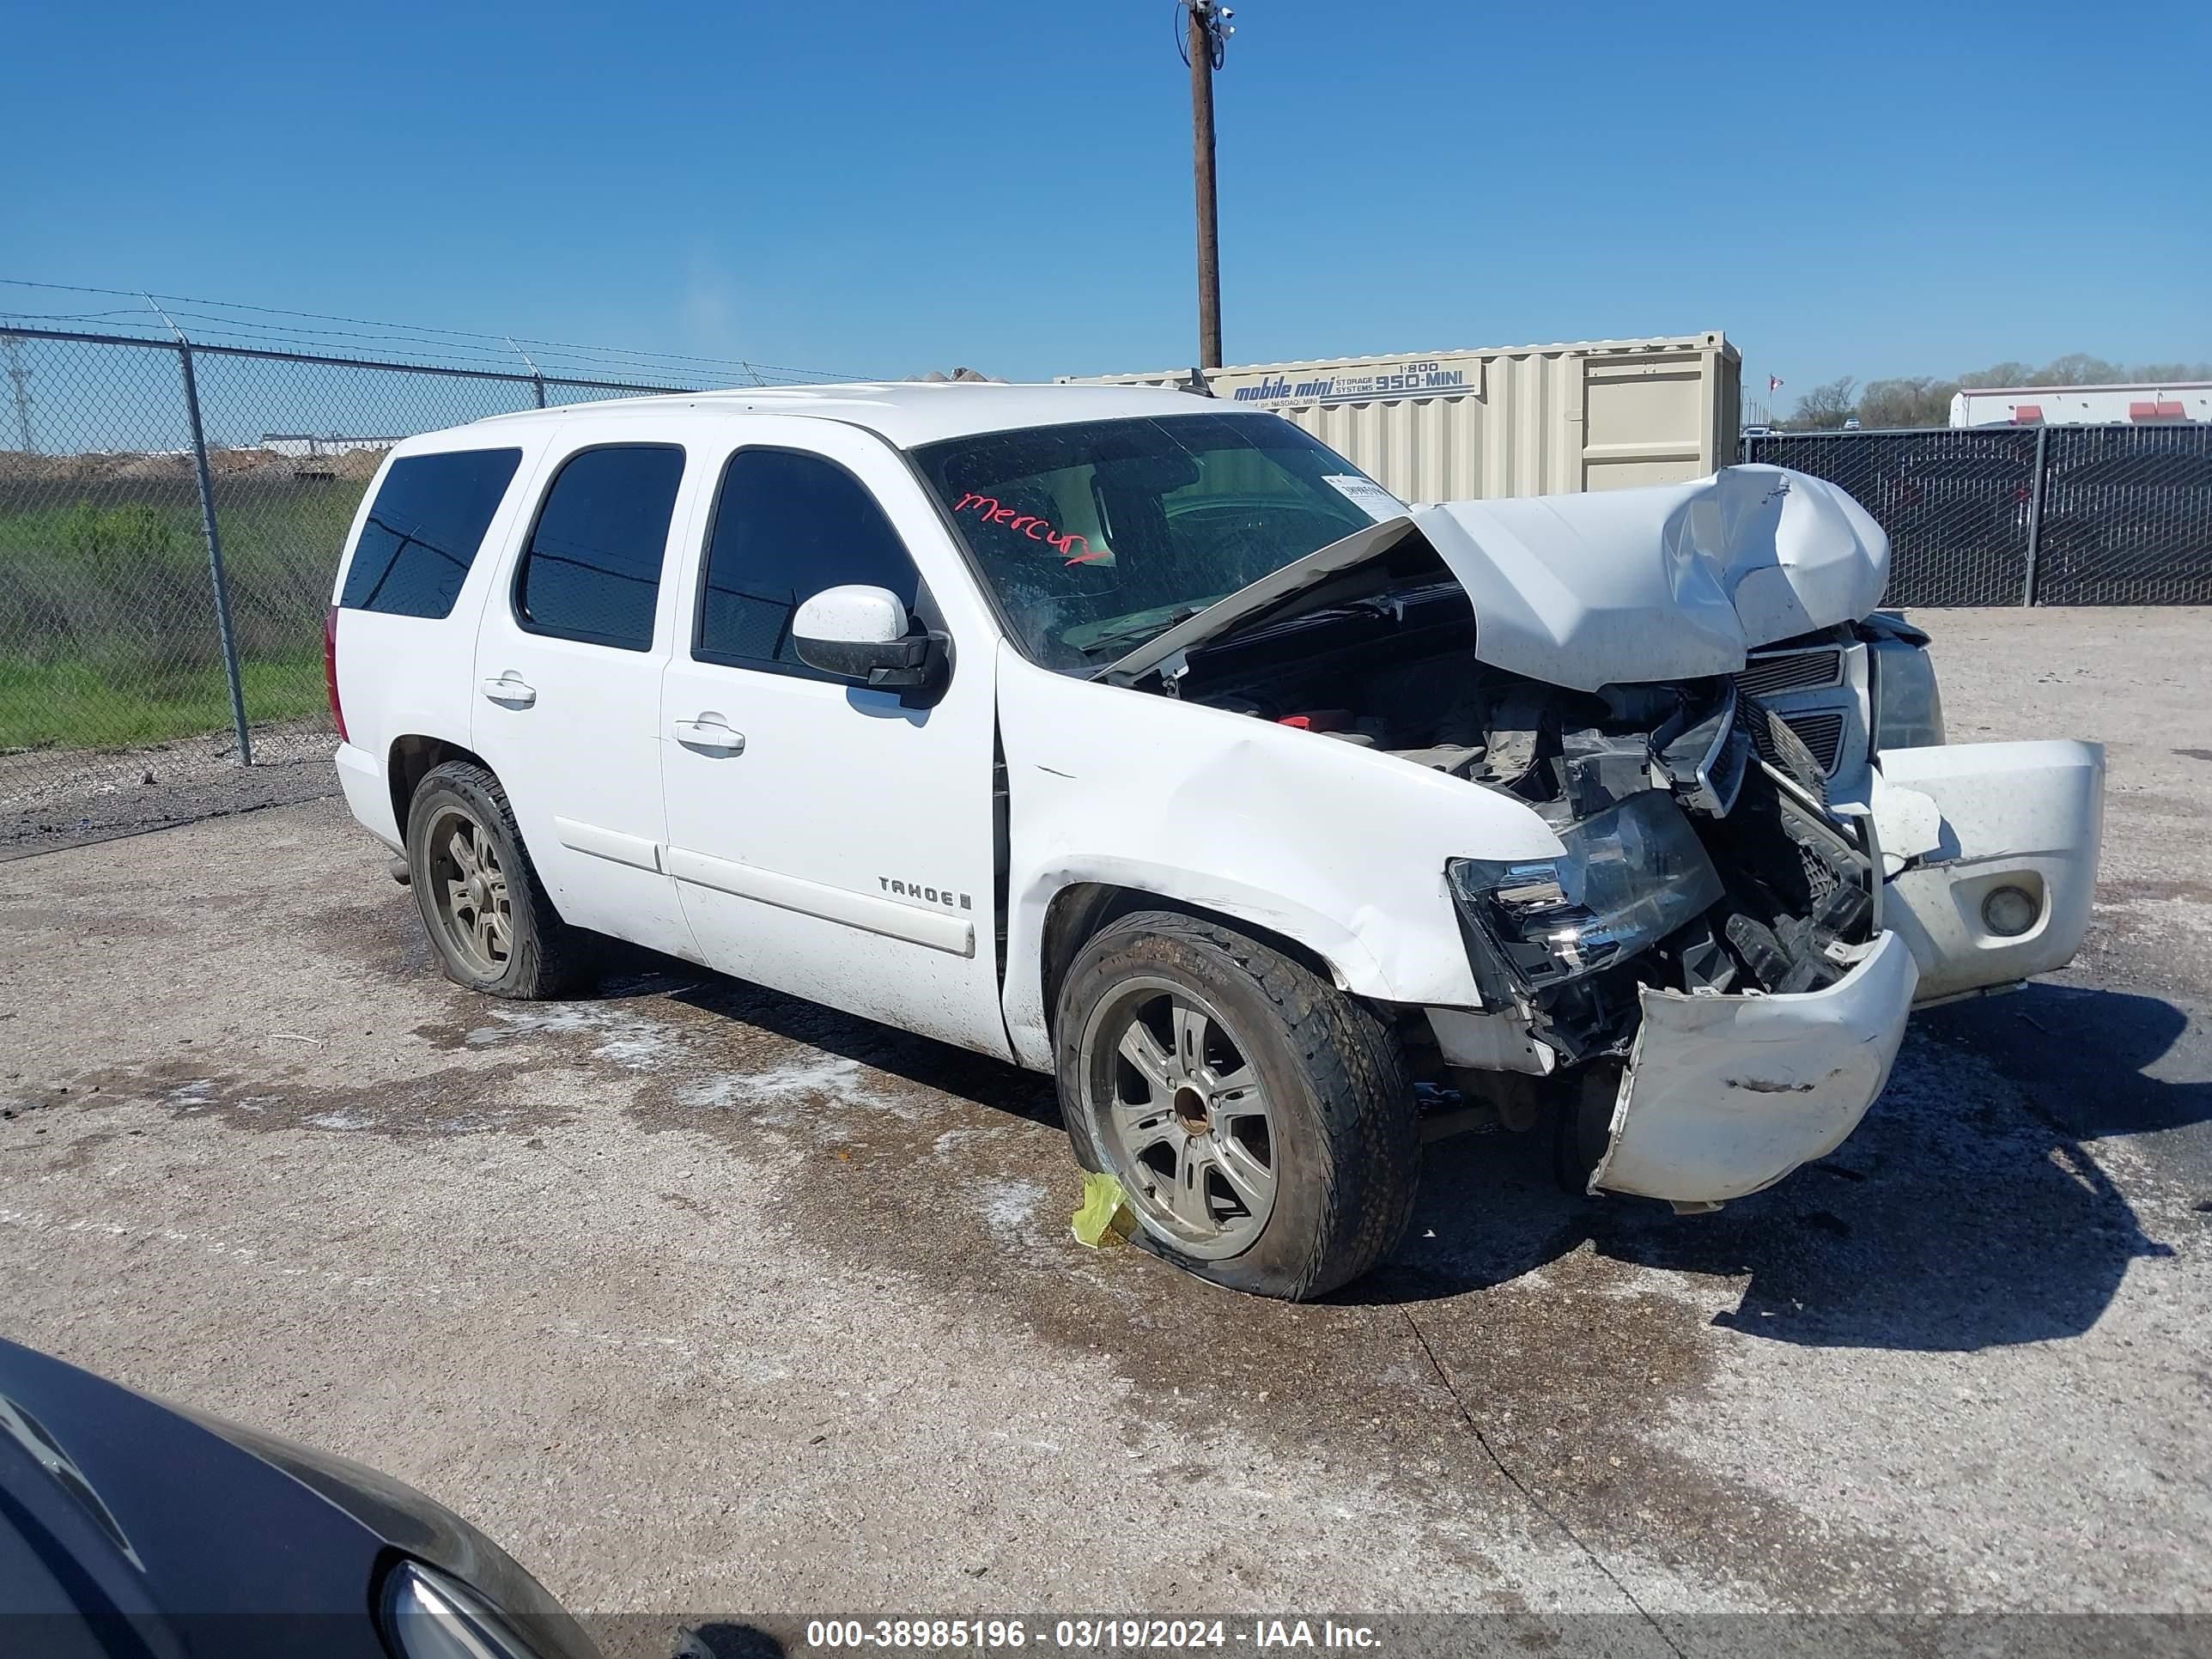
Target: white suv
pixel 1146 742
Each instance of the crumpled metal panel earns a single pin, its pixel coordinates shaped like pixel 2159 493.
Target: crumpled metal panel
pixel 1675 581
pixel 1725 1095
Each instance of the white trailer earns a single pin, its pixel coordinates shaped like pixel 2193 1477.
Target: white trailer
pixel 2081 406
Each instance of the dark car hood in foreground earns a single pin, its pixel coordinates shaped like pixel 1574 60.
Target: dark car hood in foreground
pixel 130 1526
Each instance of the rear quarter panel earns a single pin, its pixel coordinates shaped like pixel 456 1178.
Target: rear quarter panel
pixel 411 675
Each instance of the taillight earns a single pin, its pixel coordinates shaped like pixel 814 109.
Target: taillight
pixel 331 668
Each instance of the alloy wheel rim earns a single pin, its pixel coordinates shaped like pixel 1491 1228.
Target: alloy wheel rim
pixel 468 888
pixel 1181 1114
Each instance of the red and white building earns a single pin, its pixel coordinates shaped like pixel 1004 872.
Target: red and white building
pixel 2081 406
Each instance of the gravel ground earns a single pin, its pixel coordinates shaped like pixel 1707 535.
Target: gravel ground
pixel 701 1299
pixel 56 798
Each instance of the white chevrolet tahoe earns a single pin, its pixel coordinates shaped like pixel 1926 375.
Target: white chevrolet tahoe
pixel 1146 742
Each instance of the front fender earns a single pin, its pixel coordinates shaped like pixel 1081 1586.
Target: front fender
pixel 1328 844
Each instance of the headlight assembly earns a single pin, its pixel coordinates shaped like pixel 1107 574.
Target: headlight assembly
pixel 428 1614
pixel 1628 878
pixel 1908 709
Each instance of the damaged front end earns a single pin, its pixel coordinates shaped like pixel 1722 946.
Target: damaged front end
pixel 1767 853
pixel 1690 861
pixel 1706 950
pixel 1697 987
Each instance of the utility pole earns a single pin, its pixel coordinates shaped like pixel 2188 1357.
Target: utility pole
pixel 1206 41
pixel 19 378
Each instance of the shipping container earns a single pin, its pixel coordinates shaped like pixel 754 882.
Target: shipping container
pixel 1507 420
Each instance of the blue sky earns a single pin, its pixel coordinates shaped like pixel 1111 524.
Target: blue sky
pixel 884 188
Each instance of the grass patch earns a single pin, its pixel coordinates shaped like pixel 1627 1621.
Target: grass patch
pixel 108 629
pixel 74 705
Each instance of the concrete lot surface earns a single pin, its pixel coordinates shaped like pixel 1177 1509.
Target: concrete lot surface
pixel 701 1300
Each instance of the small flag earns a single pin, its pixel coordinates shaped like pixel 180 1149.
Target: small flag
pixel 1773 383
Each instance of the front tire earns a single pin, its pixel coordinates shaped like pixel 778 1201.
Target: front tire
pixel 1258 1118
pixel 488 915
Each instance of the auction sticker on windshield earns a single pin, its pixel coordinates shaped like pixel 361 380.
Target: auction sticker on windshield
pixel 1370 497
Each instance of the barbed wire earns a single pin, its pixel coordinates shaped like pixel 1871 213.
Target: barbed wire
pixel 290 330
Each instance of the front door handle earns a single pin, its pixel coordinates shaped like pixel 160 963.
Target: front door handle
pixel 709 733
pixel 512 689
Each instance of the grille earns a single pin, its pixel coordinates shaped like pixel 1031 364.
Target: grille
pixel 1791 670
pixel 1819 880
pixel 1821 732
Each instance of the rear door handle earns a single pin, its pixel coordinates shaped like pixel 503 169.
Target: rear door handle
pixel 512 689
pixel 709 733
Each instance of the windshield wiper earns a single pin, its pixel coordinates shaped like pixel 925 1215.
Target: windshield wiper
pixel 1156 623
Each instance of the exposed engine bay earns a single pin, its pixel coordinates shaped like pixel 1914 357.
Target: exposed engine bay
pixel 1704 855
pixel 1768 854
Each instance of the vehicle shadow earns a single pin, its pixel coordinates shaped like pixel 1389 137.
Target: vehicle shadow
pixel 1968 1211
pixel 664 1635
pixel 2083 1056
pixel 723 1639
pixel 920 1061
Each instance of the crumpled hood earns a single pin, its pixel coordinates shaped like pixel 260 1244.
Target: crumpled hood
pixel 1669 582
pixel 1672 581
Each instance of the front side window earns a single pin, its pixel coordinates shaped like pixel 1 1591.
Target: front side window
pixel 1096 537
pixel 423 530
pixel 592 571
pixel 788 526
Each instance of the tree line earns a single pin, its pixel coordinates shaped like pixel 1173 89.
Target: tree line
pixel 1925 400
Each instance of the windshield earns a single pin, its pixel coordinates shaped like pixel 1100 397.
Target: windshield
pixel 1095 538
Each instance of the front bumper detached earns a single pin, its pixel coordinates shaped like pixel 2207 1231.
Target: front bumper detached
pixel 1725 1095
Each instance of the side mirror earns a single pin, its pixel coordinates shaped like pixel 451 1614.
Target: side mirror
pixel 863 635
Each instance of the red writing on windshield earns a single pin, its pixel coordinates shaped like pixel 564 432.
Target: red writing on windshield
pixel 1028 524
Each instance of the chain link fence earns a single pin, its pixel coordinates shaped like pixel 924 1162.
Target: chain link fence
pixel 2027 515
pixel 128 697
pixel 133 688
pixel 2127 516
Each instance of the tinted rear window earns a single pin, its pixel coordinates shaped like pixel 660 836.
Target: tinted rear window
pixel 423 531
pixel 592 569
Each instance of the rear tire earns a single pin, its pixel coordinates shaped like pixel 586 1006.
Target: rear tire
pixel 1258 1119
pixel 487 915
